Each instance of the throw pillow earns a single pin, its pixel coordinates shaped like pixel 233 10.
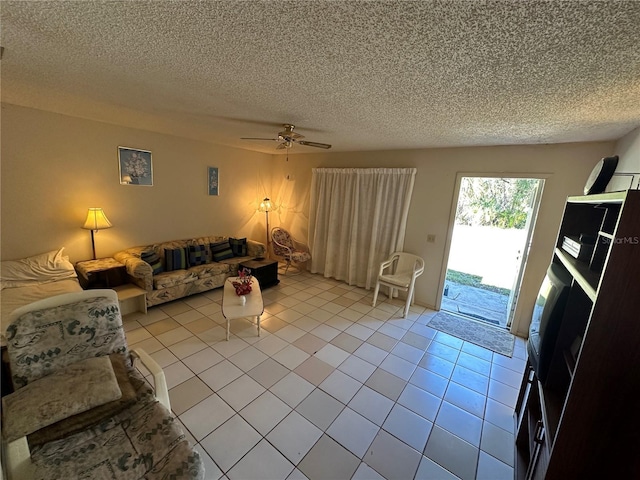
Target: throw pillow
pixel 238 246
pixel 221 250
pixel 175 259
pixel 84 420
pixel 197 255
pixel 74 389
pixel 152 259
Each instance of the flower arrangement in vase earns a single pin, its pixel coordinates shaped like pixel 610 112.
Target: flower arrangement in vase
pixel 243 284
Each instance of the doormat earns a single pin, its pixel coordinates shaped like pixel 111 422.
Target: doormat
pixel 491 338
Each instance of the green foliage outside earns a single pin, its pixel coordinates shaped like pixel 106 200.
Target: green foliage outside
pixel 470 280
pixel 495 202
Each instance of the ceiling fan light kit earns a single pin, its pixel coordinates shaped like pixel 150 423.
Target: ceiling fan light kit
pixel 288 137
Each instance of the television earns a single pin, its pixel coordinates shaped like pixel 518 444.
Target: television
pixel 547 317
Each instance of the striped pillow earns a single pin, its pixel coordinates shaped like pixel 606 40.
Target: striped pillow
pixel 197 255
pixel 152 259
pixel 221 250
pixel 238 246
pixel 175 259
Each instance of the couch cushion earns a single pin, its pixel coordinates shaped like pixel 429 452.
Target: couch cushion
pixel 234 263
pixel 175 259
pixel 144 442
pixel 41 342
pixel 170 279
pixel 197 255
pixel 76 388
pixel 209 270
pixel 238 246
pixel 221 250
pixel 152 259
pixel 86 419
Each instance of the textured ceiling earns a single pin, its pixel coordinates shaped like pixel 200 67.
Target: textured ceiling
pixel 372 75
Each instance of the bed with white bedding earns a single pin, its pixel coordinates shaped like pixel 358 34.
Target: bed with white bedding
pixel 30 279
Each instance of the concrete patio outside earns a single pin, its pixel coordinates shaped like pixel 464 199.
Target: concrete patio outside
pixel 475 302
pixel 491 253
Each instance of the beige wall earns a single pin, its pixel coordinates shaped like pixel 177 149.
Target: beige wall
pixel 54 167
pixel 567 167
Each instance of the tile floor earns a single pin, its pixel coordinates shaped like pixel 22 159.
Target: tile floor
pixel 333 388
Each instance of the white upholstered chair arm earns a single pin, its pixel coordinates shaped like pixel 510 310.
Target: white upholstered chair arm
pixel 17 459
pixel 159 380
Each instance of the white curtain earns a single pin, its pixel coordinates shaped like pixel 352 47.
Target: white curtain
pixel 357 218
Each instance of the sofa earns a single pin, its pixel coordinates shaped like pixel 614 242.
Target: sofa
pixel 179 268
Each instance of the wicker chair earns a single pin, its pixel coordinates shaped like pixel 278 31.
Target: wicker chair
pixel 285 246
pixel 80 408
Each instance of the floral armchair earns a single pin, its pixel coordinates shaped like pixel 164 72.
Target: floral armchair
pixel 285 246
pixel 80 409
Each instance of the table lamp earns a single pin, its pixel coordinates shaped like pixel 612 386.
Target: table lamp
pixel 96 220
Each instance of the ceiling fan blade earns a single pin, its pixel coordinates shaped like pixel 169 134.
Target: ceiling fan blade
pixel 288 137
pixel 256 138
pixel 314 144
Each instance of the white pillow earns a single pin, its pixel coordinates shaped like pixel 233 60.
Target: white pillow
pixel 44 268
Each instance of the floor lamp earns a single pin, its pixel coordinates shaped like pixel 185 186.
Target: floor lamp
pixel 265 207
pixel 96 220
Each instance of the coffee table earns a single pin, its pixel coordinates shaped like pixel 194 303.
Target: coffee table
pixel 233 308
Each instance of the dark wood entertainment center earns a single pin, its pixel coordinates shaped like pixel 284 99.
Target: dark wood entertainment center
pixel 583 421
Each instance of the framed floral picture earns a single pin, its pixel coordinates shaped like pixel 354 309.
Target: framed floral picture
pixel 135 166
pixel 213 180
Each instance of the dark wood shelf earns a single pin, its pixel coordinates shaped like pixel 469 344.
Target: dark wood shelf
pixel 569 361
pixel 552 404
pixel 610 197
pixel 522 460
pixel 606 235
pixel 586 278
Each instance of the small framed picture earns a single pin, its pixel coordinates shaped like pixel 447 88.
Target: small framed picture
pixel 214 180
pixel 135 166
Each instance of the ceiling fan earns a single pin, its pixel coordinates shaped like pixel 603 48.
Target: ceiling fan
pixel 288 137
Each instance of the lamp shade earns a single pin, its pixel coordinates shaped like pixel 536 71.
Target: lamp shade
pixel 96 220
pixel 265 205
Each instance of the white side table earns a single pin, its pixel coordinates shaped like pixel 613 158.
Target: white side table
pixel 233 308
pixel 132 299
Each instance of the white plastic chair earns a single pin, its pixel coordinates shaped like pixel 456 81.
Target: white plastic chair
pixel 402 271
